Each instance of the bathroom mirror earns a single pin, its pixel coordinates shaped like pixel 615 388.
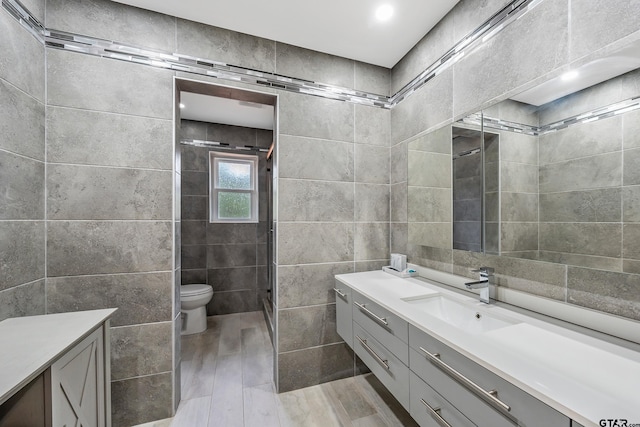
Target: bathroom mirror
pixel 565 185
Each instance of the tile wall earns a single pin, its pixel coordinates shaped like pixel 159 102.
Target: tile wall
pixel 232 258
pixel 22 171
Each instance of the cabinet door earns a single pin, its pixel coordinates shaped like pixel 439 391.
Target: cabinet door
pixel 77 384
pixel 344 318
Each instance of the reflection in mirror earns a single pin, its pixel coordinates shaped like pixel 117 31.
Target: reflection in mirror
pixel 475 187
pixel 567 181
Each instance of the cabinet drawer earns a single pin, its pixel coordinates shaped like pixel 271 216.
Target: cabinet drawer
pixel 344 317
pixel 421 396
pixel 385 366
pixel 386 327
pixel 524 409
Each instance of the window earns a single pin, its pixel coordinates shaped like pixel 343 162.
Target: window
pixel 233 187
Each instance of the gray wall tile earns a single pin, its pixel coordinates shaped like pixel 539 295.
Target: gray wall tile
pixel 194 256
pixel 310 116
pixel 21 122
pixel 194 183
pixel 94 247
pixel 583 206
pixel 521 178
pixel 233 135
pixel 437 235
pixel 602 239
pixel 140 298
pixel 372 78
pixel 194 158
pixel 21 187
pixel 426 108
pixel 232 279
pixel 631 241
pixel 22 252
pixel 24 300
pixel 519 236
pixel 519 206
pixel 191 129
pixel 372 241
pixel 293 61
pixel 231 255
pixel 509 60
pixel 219 44
pixel 631 167
pixel 631 204
pixel 86 192
pixel 113 21
pixel 590 261
pixel 588 139
pixel 314 242
pixel 141 350
pixel 193 232
pixel 429 204
pixel 399 238
pixel 436 141
pixel 140 400
pixel 189 277
pixel 631 129
pixel 373 126
pixel 398 201
pixel 221 233
pixel 595 24
pixel 305 200
pixel 194 207
pixel 36 7
pixel 371 202
pixel 616 293
pixel 398 163
pixel 371 164
pixel 429 169
pixel 308 158
pixel 311 366
pixel 470 14
pixel 604 170
pixel 518 148
pixel 94 83
pixel 22 56
pixel 307 327
pixel 311 284
pixel 95 138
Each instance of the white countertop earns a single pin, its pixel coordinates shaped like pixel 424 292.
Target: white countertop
pixel 29 345
pixel 581 376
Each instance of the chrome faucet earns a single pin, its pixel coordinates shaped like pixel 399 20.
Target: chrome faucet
pixel 486 284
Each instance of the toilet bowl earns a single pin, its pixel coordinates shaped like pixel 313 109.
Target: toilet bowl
pixel 193 301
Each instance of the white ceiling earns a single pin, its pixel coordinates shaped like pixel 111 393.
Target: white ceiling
pixel 346 28
pixel 214 109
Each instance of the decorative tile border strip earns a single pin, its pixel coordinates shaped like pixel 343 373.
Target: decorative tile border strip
pixel 174 61
pixel 222 145
pixel 599 113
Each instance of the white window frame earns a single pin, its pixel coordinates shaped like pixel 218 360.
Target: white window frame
pixel 215 158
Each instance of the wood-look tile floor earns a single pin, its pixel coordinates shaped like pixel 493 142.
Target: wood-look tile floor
pixel 227 381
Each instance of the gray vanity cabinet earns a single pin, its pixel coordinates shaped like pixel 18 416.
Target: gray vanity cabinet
pixel 78 384
pixel 388 368
pixel 386 327
pixel 344 318
pixel 483 397
pixel 430 409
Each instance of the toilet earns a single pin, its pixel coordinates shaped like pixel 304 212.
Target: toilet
pixel 193 301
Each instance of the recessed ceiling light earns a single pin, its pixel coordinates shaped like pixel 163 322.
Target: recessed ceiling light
pixel 384 12
pixel 181 105
pixel 569 75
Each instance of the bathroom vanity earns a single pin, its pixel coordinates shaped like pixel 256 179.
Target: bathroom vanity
pixel 55 370
pixel 451 360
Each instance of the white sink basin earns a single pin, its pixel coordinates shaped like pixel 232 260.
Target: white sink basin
pixel 466 317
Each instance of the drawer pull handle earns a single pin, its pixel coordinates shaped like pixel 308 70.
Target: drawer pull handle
pixel 489 396
pixel 371 314
pixel 383 362
pixel 435 414
pixel 339 292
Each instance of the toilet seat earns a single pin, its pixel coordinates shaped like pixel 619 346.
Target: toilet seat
pixel 194 290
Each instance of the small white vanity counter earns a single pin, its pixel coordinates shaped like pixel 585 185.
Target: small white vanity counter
pixel 30 345
pixel 581 376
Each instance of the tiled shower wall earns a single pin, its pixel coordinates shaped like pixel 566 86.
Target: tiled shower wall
pixel 22 169
pixel 553 34
pixel 232 258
